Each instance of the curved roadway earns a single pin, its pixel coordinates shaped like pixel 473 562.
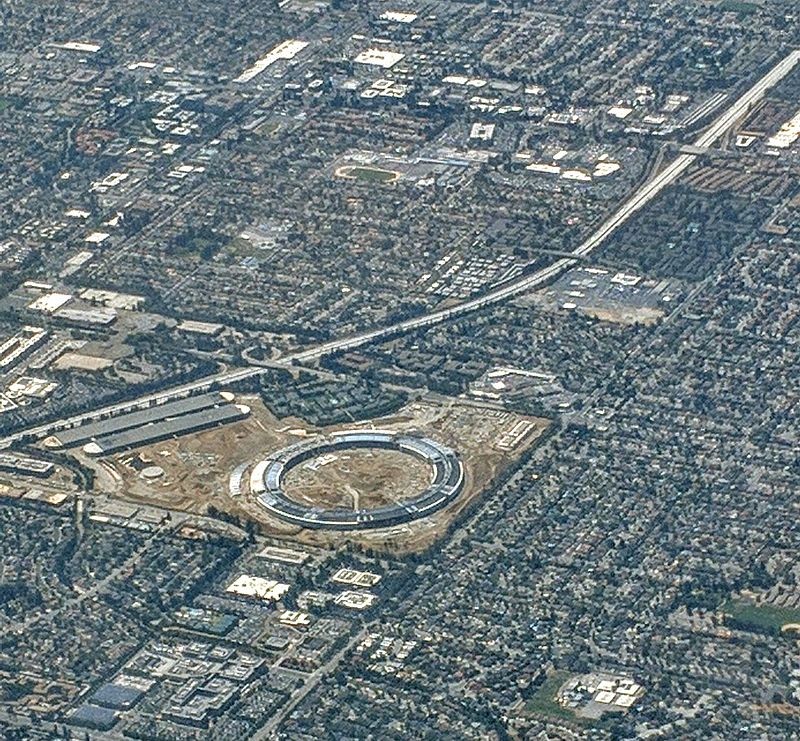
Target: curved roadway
pixel 639 199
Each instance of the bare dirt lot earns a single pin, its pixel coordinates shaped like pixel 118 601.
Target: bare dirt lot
pixel 357 479
pixel 212 468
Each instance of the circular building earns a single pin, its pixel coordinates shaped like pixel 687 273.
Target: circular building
pixel 446 481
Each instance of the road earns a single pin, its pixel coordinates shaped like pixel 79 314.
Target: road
pixel 176 392
pixel 638 200
pixel 21 627
pixel 269 729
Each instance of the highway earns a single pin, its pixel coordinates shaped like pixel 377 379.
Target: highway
pixel 638 200
pixel 141 402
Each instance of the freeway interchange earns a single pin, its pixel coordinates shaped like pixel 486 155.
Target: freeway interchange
pixel 640 198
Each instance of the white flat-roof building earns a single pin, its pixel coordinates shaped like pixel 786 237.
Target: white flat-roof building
pixel 50 302
pixel 294 618
pixel 544 168
pixel 482 131
pixel 356 600
pixel 286 50
pixel 398 17
pixel 619 111
pixel 356 578
pixel 81 46
pixel 379 58
pixel 788 134
pixel 257 587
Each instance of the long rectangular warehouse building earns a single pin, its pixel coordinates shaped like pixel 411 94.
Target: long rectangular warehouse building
pixel 130 420
pixel 166 428
pixel 24 465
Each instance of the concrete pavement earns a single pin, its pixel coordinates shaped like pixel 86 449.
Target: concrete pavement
pixel 638 200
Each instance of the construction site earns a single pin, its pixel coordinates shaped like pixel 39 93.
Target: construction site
pixel 214 467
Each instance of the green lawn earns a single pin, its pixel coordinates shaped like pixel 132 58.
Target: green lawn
pixel 241 247
pixel 269 128
pixel 371 174
pixel 544 700
pixel 760 617
pixel 738 6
